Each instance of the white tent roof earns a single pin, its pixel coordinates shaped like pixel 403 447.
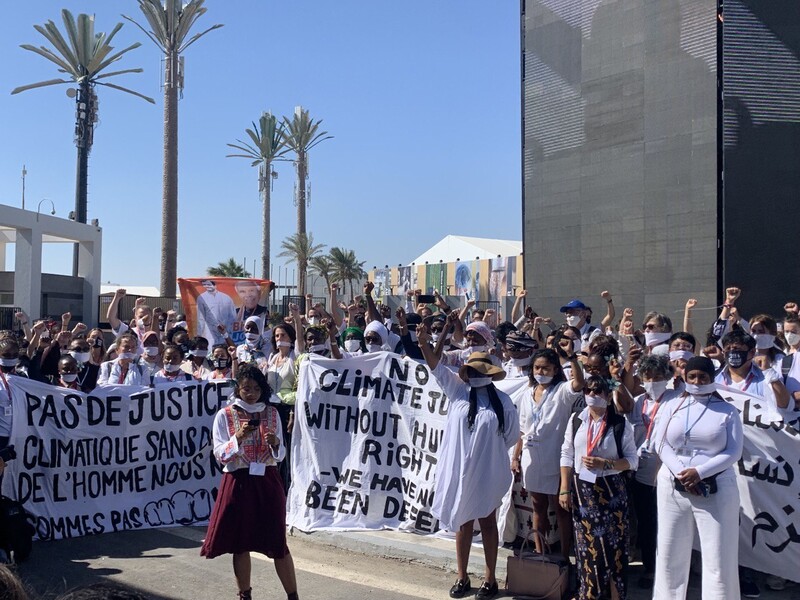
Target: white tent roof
pixel 132 290
pixel 459 247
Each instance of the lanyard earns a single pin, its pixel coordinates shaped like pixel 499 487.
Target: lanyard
pixel 748 380
pixel 591 443
pixel 536 410
pixel 651 417
pixel 5 384
pixel 687 430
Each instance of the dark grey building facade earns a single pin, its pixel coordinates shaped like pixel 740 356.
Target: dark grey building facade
pixel 660 151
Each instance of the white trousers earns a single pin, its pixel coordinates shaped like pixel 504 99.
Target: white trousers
pixel 717 520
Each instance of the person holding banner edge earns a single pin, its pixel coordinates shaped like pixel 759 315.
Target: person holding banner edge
pixel 482 425
pixel 249 514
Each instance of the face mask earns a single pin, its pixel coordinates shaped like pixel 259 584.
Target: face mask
pixel 596 401
pixel 543 379
pixel 199 353
pixel 45 335
pixel 81 357
pixel 521 362
pixel 141 324
pixel 69 377
pixel 313 321
pixel 251 337
pixel 352 345
pixel 481 348
pixel 736 358
pixel 182 325
pixel 681 355
pixel 171 368
pixel 284 344
pixel 127 355
pixel 220 363
pixel 792 338
pixel 435 337
pixel 374 347
pixel 573 320
pixel 98 343
pixel 764 341
pixel 9 362
pixel 317 348
pixel 477 382
pixel 701 390
pixel 653 338
pixel 654 389
pixel 151 350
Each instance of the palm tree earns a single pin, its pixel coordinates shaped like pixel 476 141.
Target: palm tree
pixel 82 59
pixel 346 267
pixel 229 268
pixel 301 136
pixel 170 24
pixel 300 248
pixel 323 266
pixel 267 146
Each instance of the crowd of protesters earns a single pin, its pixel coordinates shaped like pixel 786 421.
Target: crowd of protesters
pixel 619 422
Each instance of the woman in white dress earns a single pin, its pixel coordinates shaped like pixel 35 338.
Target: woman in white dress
pixel 545 407
pixel 281 378
pixel 482 425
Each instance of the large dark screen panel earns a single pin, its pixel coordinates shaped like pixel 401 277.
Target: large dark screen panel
pixel 762 151
pixel 620 151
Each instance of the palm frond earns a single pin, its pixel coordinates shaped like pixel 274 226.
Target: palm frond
pixel 123 72
pixel 124 89
pixel 49 55
pixel 197 36
pixel 32 86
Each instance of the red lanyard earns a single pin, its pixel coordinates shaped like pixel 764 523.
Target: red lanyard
pixel 592 443
pixel 651 416
pixel 748 380
pixel 5 384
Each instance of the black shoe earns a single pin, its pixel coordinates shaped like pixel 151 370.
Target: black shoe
pixel 646 581
pixel 461 587
pixel 486 591
pixel 749 588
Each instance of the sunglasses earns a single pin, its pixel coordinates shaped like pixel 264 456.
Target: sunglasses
pixel 372 340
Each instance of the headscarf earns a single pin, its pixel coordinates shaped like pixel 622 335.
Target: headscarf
pixel 257 320
pixel 355 331
pixel 380 329
pixel 483 330
pixel 519 341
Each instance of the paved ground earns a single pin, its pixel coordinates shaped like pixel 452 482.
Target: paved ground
pixel 166 565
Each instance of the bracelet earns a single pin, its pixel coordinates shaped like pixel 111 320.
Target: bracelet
pixel 608 465
pixel 563 493
pixel 610 300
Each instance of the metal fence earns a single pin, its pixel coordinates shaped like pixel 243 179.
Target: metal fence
pixel 127 304
pixel 7 320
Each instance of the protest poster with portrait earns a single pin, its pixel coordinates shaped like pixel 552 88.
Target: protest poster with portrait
pixel 217 307
pixel 119 458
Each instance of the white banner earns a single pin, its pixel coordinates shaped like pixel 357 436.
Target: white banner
pixel 120 458
pixel 365 444
pixel 769 534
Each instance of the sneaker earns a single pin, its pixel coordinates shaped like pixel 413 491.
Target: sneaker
pixel 749 588
pixel 775 583
pixel 487 591
pixel 461 587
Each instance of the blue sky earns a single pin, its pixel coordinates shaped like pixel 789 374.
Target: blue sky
pixel 422 96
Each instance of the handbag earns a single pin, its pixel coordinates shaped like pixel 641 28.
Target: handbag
pixel 534 575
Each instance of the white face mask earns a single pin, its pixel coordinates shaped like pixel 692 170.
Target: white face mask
pixel 169 368
pixel 793 339
pixel 481 348
pixel 701 390
pixel 435 337
pixel 182 324
pixel 681 355
pixel 573 320
pixel 284 344
pixel 764 341
pixel 352 345
pixel 9 362
pixel 151 350
pixel 521 362
pixel 140 324
pixel 69 377
pixel 81 357
pixel 374 347
pixel 653 338
pixel 251 337
pixel 313 321
pixel 543 379
pixel 317 348
pixel 596 401
pixel 654 389
pixel 127 355
pixel 477 382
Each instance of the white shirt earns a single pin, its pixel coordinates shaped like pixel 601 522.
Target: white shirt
pixel 573 450
pixel 643 417
pixel 111 370
pixel 6 414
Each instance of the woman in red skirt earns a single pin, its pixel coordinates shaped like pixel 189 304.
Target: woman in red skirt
pixel 250 512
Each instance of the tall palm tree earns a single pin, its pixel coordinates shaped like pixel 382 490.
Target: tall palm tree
pixel 323 266
pixel 82 57
pixel 170 24
pixel 267 146
pixel 229 268
pixel 346 267
pixel 300 248
pixel 302 134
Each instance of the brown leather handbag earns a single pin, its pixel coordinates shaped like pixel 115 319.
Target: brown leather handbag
pixel 537 576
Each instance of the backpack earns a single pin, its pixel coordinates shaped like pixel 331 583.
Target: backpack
pixel 615 421
pixel 16 529
pixel 786 366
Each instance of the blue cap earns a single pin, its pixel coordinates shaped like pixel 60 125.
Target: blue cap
pixel 573 304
